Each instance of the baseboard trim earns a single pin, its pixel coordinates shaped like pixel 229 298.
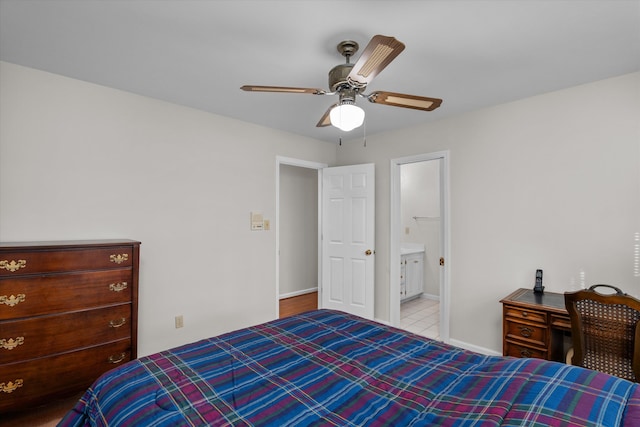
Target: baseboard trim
pixel 384 322
pixel 472 347
pixel 298 293
pixel 430 296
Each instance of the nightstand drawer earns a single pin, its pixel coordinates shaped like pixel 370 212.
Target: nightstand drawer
pixel 561 322
pixel 533 333
pixel 525 314
pixel 516 349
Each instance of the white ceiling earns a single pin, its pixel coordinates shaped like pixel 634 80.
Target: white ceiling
pixel 472 54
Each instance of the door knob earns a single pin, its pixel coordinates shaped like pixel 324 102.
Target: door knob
pixel 368 252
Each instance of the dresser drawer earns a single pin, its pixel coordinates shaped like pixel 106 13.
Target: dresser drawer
pixel 533 333
pixel 21 340
pixel 516 349
pixel 525 314
pixel 30 383
pixel 18 262
pixel 57 293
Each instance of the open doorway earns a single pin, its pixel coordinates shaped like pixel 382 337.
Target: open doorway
pixel 345 283
pixel 419 244
pixel 297 246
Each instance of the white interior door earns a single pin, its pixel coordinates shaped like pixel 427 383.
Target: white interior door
pixel 348 239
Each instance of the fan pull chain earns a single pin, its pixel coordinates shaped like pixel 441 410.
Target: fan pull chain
pixel 364 132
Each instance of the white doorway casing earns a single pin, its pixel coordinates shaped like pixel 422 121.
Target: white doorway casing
pixel 302 164
pixel 355 232
pixel 395 239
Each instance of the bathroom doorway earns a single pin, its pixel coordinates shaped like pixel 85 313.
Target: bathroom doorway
pixel 419 245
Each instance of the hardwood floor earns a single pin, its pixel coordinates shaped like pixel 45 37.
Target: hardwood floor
pixel 42 416
pixel 298 304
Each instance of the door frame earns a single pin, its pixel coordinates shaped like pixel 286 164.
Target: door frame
pixel 280 160
pixel 395 224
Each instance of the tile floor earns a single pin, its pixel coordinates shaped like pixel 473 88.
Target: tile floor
pixel 421 316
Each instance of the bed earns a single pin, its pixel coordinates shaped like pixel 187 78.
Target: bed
pixel 329 368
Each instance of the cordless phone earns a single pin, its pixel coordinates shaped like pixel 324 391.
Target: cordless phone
pixel 538 288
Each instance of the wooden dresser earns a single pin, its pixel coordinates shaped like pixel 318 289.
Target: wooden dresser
pixel 535 325
pixel 68 313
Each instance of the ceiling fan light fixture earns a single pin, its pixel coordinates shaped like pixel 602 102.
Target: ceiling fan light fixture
pixel 349 81
pixel 347 116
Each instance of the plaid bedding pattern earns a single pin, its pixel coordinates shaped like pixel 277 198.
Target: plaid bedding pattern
pixel 328 368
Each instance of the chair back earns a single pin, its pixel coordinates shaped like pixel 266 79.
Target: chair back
pixel 605 330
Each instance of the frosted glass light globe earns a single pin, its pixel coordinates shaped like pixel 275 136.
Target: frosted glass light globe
pixel 347 117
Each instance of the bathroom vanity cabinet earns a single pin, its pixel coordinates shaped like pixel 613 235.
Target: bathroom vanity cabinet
pixel 411 275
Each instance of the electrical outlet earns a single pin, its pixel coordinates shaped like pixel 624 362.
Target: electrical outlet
pixel 179 322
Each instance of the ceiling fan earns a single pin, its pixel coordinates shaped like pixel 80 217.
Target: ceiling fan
pixel 349 81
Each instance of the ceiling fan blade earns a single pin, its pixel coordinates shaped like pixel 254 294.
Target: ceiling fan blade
pixel 325 120
pixel 406 101
pixel 283 89
pixel 379 53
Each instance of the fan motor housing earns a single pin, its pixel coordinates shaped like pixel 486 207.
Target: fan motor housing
pixel 338 76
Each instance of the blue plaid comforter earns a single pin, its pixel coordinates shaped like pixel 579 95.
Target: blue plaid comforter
pixel 327 368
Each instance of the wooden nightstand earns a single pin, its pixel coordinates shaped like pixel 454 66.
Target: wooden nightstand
pixel 535 325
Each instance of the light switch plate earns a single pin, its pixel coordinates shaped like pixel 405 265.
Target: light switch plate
pixel 257 222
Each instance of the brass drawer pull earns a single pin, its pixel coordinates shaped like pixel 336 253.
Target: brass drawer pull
pixel 117 358
pixel 525 331
pixel 13 265
pixel 117 323
pixel 10 344
pixel 10 387
pixel 12 300
pixel 525 314
pixel 118 258
pixel 118 287
pixel 525 353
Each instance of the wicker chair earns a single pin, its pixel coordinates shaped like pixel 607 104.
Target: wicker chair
pixel 605 331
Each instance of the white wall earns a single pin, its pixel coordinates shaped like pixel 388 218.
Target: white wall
pixel 298 229
pixel 79 160
pixel 550 182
